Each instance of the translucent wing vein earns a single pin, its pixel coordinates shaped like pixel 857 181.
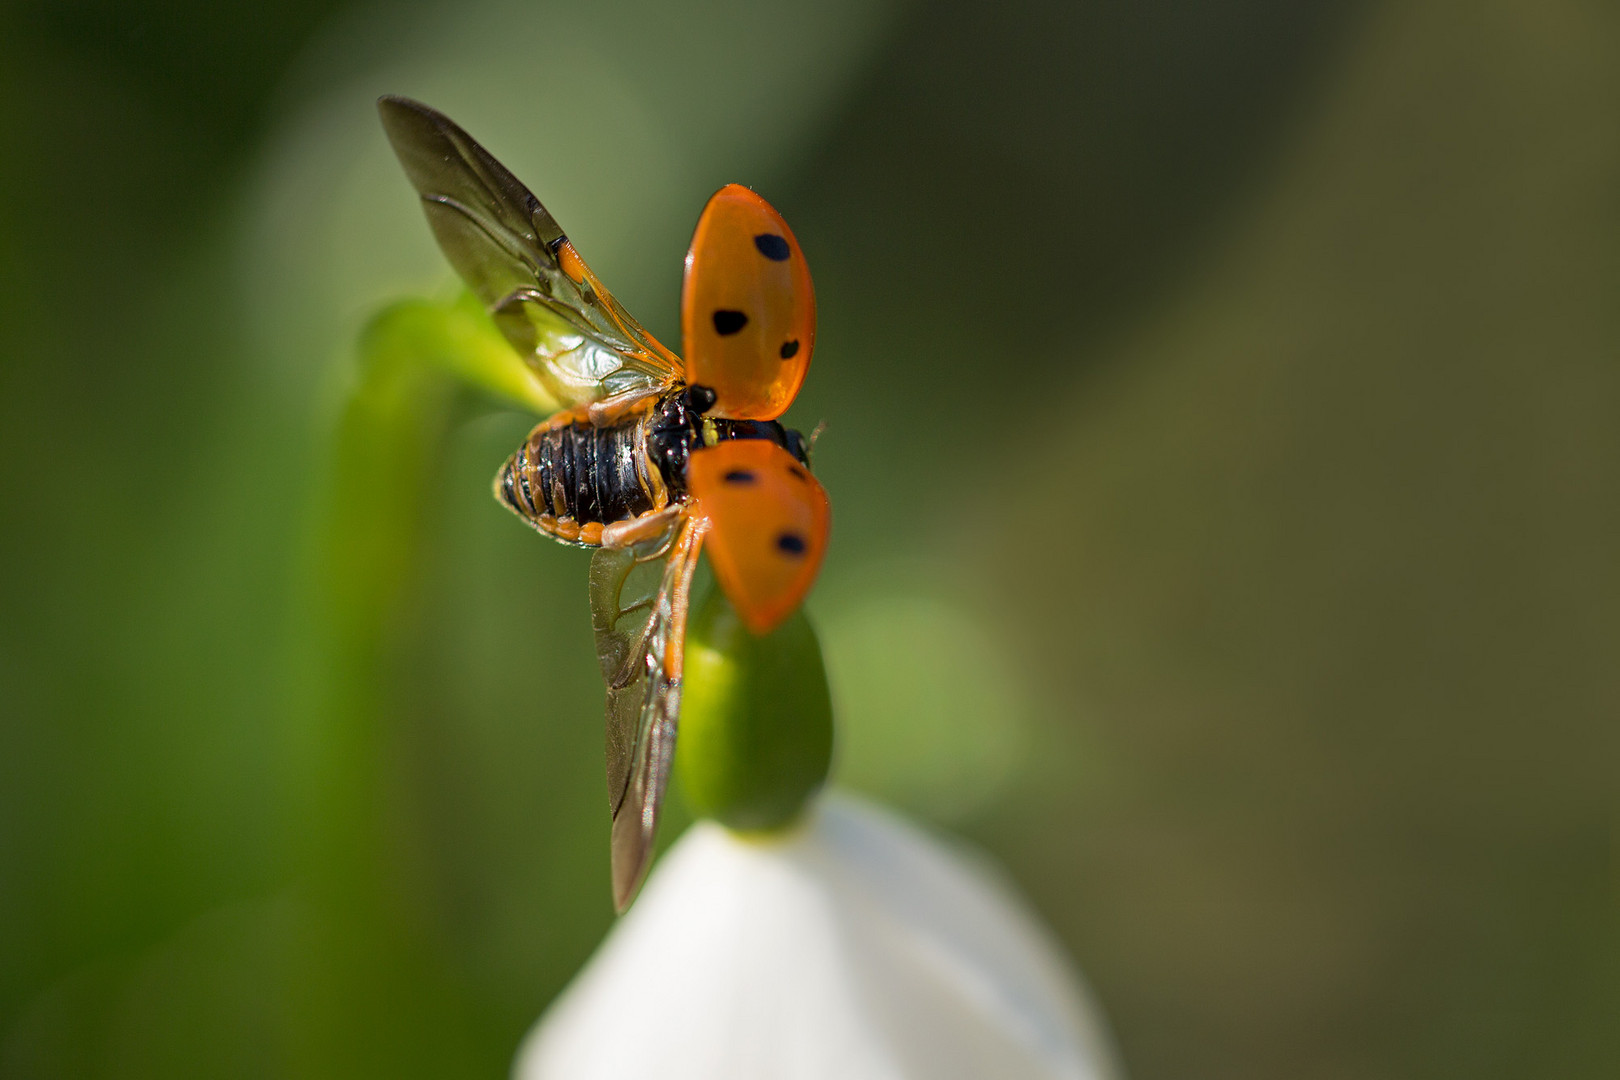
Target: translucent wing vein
pixel 640 623
pixel 516 258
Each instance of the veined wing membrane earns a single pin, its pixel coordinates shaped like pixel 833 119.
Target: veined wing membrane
pixel 516 258
pixel 640 622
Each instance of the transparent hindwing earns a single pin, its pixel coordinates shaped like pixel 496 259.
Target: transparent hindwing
pixel 639 601
pixel 516 258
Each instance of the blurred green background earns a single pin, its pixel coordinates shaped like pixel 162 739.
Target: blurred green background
pixel 1224 440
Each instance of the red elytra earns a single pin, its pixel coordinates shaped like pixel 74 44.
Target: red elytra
pixel 768 526
pixel 748 308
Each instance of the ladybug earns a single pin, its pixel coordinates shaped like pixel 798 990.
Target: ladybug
pixel 652 459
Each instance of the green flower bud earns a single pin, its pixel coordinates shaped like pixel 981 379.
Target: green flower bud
pixel 756 719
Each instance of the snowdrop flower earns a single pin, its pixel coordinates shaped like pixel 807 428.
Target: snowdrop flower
pixel 853 947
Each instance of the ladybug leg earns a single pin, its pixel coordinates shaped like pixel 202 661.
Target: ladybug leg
pixel 623 534
pixel 610 410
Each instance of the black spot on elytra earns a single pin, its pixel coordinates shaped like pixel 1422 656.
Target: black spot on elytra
pixel 727 322
pixel 799 474
pixel 790 349
pixel 773 247
pixel 791 543
pixel 739 476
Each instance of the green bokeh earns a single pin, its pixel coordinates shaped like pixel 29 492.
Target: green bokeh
pixel 1234 377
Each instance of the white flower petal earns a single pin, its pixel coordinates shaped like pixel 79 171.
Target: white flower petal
pixel 856 948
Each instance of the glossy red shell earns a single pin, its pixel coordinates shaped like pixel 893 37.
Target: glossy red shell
pixel 748 309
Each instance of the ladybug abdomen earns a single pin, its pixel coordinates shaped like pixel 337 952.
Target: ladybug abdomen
pixel 570 479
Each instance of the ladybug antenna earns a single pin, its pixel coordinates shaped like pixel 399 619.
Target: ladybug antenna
pixel 810 443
